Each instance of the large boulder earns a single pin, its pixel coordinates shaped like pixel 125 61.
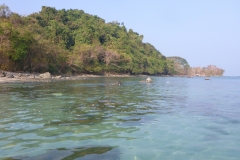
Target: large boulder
pixel 148 80
pixel 2 74
pixel 45 75
pixel 10 76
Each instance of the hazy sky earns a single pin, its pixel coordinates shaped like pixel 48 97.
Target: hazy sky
pixel 201 31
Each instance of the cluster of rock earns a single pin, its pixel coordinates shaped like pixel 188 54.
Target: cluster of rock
pixel 116 75
pixel 47 77
pixel 5 74
pixel 34 77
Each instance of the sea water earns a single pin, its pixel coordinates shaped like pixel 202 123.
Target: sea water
pixel 171 118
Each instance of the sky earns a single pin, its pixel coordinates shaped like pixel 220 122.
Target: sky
pixel 204 32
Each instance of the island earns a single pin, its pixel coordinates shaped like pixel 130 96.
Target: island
pixel 181 67
pixel 74 42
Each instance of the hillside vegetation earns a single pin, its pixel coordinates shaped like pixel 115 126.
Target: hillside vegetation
pixel 72 41
pixel 181 66
pixel 210 70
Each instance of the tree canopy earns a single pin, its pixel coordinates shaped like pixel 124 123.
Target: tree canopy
pixel 181 66
pixel 67 41
pixel 5 11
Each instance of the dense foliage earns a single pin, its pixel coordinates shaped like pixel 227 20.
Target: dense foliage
pixel 181 66
pixel 67 41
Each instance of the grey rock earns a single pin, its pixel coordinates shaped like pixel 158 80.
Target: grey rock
pixel 31 76
pixel 16 76
pixel 45 75
pixel 148 80
pixel 10 76
pixel 2 74
pixel 22 75
pixel 58 77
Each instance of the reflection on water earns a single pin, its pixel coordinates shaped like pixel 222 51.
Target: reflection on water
pixel 172 118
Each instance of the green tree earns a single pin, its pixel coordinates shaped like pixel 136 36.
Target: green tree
pixel 5 12
pixel 65 41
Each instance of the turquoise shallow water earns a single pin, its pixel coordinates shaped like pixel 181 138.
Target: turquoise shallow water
pixel 171 118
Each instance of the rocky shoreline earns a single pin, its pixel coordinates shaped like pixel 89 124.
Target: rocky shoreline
pixel 9 77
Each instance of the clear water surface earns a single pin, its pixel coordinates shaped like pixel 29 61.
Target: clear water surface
pixel 172 118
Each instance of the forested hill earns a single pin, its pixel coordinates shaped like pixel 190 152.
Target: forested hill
pixel 68 41
pixel 181 66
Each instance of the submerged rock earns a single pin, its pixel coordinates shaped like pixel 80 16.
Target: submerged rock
pixel 115 84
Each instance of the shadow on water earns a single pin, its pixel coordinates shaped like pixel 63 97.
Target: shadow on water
pixel 217 130
pixel 82 153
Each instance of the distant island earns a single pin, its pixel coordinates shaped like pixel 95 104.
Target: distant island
pixel 210 70
pixel 72 41
pixel 182 67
